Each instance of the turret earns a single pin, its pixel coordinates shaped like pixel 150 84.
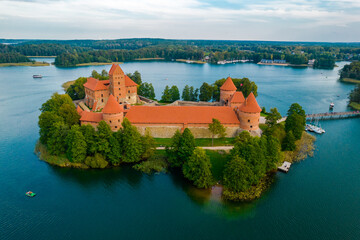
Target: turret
pixel 249 113
pixel 117 83
pixel 113 113
pixel 227 90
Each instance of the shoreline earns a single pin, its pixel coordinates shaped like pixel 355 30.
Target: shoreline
pixel 354 105
pixel 41 56
pixel 28 64
pixel 350 80
pixel 96 64
pixel 304 149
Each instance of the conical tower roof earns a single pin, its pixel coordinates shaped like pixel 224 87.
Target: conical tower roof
pixel 228 85
pixel 250 105
pixel 114 67
pixel 112 106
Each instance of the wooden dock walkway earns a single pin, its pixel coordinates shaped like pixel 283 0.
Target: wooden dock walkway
pixel 329 116
pixel 333 115
pixel 285 167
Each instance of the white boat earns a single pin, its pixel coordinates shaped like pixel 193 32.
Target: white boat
pixel 332 105
pixel 37 76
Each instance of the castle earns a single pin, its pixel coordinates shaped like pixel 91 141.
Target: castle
pixel 111 100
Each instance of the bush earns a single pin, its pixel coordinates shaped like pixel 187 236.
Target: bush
pixel 97 161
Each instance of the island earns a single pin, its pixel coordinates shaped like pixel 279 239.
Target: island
pixel 105 123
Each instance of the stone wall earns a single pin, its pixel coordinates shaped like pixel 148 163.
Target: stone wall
pixel 166 131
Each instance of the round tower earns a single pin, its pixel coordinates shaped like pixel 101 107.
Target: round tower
pixel 113 113
pixel 249 113
pixel 227 90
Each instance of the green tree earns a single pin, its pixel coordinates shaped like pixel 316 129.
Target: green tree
pixel 76 145
pixel 69 114
pixel 186 93
pixel 289 142
pixel 172 151
pixel 46 122
pixel 198 169
pixel 76 91
pixel 55 102
pixel 90 135
pixel 295 120
pixel 116 150
pixel 166 97
pixel 174 93
pixel 216 128
pixel 238 176
pixel 194 94
pixel 103 135
pixel 56 142
pixel 96 161
pixel 187 145
pixel 148 145
pixel 206 92
pixel 273 147
pixel 272 117
pixel 136 77
pixel 131 143
pixel 146 90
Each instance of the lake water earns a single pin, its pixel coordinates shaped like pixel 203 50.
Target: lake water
pixel 318 199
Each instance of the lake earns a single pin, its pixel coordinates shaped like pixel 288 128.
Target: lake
pixel 318 199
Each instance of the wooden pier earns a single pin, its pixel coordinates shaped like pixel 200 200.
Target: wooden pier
pixel 333 115
pixel 285 167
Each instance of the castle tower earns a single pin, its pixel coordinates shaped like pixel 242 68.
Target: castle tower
pixel 249 113
pixel 113 113
pixel 227 90
pixel 117 83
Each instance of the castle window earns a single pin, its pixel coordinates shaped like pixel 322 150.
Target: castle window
pixel 119 88
pixel 118 120
pixel 115 126
pixel 129 97
pixel 102 95
pixel 119 83
pixel 102 100
pixel 129 91
pixel 250 126
pixel 248 120
pixel 110 121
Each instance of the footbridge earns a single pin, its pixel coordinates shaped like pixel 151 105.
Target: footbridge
pixel 326 116
pixel 333 115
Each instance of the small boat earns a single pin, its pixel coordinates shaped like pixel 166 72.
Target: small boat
pixel 30 194
pixel 332 105
pixel 37 76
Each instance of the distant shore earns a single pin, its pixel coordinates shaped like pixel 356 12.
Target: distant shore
pixel 285 64
pixel 41 56
pixel 30 64
pixel 350 80
pixel 97 63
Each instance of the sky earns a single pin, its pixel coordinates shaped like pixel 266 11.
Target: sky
pixel 270 20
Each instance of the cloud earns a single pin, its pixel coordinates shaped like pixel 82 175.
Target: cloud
pixel 156 17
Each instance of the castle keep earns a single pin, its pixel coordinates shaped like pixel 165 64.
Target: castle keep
pixel 111 100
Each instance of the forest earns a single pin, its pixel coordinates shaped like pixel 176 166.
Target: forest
pixel 351 70
pixel 72 52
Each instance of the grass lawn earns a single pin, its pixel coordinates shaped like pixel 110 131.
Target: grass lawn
pixel 218 161
pixel 355 105
pixel 350 80
pixel 67 84
pixel 200 142
pixel 31 64
pixel 263 114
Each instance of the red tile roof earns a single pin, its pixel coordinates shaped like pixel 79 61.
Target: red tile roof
pixel 250 105
pixel 238 97
pixel 95 84
pixel 79 110
pixel 181 114
pixel 228 85
pixel 114 67
pixel 112 106
pixel 91 116
pixel 129 82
